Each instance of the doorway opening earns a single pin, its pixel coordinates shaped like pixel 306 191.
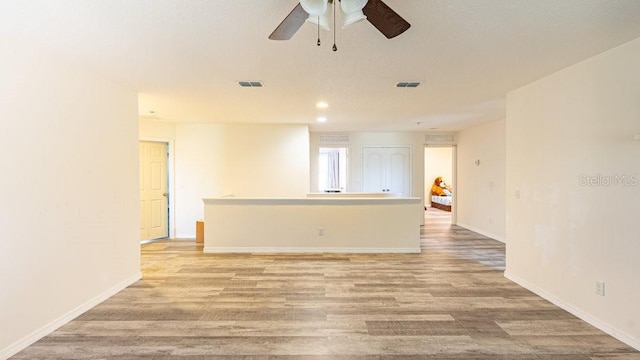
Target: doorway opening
pixel 439 182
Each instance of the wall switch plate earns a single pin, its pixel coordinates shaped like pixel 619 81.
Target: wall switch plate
pixel 600 288
pixel 320 232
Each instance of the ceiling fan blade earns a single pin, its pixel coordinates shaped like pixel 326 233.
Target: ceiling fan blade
pixel 387 21
pixel 290 24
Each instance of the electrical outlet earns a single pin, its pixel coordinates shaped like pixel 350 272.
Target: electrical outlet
pixel 600 288
pixel 320 232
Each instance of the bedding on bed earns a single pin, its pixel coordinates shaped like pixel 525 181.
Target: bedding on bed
pixel 441 202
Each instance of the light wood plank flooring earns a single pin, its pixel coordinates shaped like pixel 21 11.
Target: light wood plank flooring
pixel 449 302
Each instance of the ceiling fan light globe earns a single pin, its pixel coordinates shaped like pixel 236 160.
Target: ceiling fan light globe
pixel 315 7
pixel 352 6
pixel 350 19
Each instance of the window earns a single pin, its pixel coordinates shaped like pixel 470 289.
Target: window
pixel 332 169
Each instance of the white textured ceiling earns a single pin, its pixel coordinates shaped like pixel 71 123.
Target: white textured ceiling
pixel 185 57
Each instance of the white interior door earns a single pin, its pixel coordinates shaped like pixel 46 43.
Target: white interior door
pixel 373 174
pixel 387 169
pixel 399 175
pixel 154 210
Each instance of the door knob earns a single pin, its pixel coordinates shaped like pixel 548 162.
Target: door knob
pixel 164 194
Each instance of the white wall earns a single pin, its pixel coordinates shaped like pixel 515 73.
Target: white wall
pixel 69 210
pixel 480 190
pixel 438 161
pixel 150 129
pixel 360 225
pixel 268 160
pixel 201 163
pixel 244 160
pixel 567 135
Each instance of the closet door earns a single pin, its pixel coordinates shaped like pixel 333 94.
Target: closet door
pixel 386 169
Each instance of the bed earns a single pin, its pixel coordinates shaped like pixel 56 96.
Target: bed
pixel 441 202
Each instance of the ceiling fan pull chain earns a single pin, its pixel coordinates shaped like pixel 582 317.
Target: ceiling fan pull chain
pixel 318 30
pixel 335 48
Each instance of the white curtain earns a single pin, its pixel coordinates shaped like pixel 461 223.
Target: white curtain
pixel 333 170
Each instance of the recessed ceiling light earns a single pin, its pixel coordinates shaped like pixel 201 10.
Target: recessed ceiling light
pixel 321 119
pixel 322 105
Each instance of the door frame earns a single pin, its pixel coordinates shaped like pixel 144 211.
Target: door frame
pixel 170 180
pixel 454 174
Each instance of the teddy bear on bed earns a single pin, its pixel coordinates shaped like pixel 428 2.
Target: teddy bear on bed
pixel 440 188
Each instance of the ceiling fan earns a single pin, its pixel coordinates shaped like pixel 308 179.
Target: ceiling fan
pixel 381 16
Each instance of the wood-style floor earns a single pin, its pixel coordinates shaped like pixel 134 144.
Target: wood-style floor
pixel 450 302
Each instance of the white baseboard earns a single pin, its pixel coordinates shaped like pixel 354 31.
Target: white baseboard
pixel 484 233
pixel 49 328
pixel 280 250
pixel 625 338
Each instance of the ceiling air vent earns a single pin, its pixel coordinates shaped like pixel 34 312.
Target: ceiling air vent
pixel 250 83
pixel 410 84
pixel 333 139
pixel 434 139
